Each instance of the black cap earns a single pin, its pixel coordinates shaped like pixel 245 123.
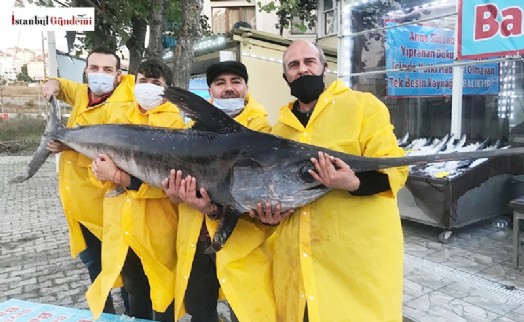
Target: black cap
pixel 230 66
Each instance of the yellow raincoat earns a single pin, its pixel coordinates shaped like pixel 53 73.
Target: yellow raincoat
pixel 244 264
pixel 144 220
pixel 342 254
pixel 81 199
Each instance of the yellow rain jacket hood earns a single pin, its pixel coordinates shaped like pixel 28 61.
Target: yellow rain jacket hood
pixel 81 200
pixel 143 220
pixel 342 254
pixel 244 264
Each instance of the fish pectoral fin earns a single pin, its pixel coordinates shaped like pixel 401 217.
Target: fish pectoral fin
pixel 224 230
pixel 115 192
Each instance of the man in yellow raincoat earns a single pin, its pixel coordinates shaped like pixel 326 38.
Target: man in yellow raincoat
pixel 106 91
pixel 140 225
pixel 242 269
pixel 340 257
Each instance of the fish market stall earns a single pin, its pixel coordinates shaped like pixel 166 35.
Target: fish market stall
pixel 455 194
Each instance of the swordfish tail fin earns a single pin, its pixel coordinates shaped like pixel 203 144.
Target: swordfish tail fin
pixel 41 154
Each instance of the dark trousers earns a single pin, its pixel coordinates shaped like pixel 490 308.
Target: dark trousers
pixel 137 286
pixel 202 288
pixel 92 258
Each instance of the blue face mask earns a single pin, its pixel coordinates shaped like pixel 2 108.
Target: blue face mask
pixel 230 106
pixel 100 84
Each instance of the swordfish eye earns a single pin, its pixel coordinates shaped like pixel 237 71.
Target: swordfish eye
pixel 303 173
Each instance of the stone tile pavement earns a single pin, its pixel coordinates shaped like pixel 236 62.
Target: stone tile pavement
pixel 469 279
pixel 35 263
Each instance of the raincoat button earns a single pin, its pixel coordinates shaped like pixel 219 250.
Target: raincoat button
pixel 302 295
pixel 128 200
pixel 67 188
pixel 311 298
pixel 127 233
pixel 68 162
pixel 223 280
pixel 186 277
pixel 305 133
pixel 192 245
pixel 305 255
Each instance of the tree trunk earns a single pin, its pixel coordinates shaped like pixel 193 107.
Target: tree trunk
pixel 189 32
pixel 156 28
pixel 135 44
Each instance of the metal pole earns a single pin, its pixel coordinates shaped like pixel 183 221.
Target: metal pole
pixel 456 94
pixel 53 70
pixel 51 51
pixel 43 52
pixel 345 43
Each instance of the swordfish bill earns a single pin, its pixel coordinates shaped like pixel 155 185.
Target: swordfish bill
pixel 237 166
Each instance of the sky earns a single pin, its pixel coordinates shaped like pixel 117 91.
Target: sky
pixel 31 39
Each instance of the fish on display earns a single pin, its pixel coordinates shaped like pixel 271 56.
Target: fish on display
pixel 452 168
pixel 237 166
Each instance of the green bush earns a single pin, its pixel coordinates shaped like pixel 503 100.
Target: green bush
pixel 20 135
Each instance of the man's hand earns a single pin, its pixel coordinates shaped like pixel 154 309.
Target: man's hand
pixel 57 146
pixel 188 193
pixel 105 169
pixel 50 88
pixel 172 186
pixel 334 173
pixel 267 216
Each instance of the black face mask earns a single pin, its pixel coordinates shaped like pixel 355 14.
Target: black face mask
pixel 307 88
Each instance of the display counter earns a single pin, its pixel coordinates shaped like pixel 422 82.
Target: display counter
pixel 481 192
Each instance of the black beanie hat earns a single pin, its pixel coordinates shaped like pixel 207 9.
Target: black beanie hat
pixel 230 66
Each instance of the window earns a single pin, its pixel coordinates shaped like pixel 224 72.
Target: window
pixel 297 27
pixel 329 17
pixel 224 18
pixel 418 89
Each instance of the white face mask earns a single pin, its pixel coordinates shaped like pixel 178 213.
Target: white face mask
pixel 231 106
pixel 100 84
pixel 148 96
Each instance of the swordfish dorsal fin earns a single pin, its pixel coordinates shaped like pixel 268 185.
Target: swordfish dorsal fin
pixel 206 116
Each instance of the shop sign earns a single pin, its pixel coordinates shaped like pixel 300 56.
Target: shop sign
pixel 490 28
pixel 425 55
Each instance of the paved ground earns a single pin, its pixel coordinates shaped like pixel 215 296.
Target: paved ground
pixel 35 264
pixel 34 255
pixel 469 279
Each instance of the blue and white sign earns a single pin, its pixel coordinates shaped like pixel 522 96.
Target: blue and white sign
pixel 420 52
pixel 24 311
pixel 490 28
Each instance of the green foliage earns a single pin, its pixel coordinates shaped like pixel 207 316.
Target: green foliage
pixel 289 12
pixel 21 135
pixel 114 21
pixel 23 75
pixel 205 27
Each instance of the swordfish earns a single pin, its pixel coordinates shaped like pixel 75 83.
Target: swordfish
pixel 237 166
